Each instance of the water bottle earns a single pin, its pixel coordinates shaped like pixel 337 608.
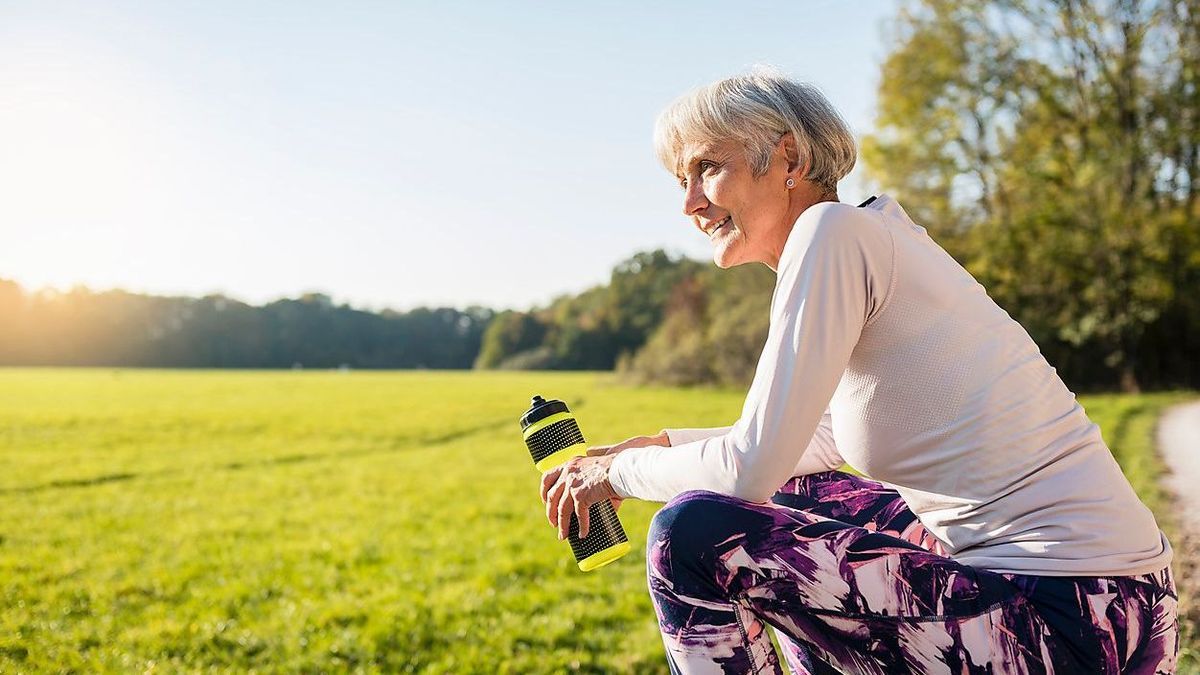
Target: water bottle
pixel 553 437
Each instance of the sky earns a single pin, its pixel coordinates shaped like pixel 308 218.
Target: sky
pixel 388 154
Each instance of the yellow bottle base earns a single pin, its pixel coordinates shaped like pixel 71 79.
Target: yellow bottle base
pixel 597 560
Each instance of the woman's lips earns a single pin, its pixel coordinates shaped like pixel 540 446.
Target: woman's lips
pixel 723 223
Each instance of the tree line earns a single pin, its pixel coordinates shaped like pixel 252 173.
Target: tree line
pixel 661 319
pixel 116 328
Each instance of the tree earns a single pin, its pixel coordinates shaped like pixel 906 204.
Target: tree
pixel 1051 147
pixel 509 333
pixel 638 293
pixel 678 352
pixel 713 331
pixel 593 329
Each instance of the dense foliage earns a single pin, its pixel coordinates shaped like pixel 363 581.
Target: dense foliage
pixel 714 328
pixel 1052 147
pixel 592 330
pixel 661 319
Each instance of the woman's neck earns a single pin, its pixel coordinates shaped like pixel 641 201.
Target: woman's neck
pixel 803 197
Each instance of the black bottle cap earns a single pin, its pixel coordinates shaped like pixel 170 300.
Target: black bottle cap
pixel 540 409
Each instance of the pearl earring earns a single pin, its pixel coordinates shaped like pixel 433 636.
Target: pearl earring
pixel 791 183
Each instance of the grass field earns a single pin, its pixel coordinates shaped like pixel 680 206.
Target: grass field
pixel 314 521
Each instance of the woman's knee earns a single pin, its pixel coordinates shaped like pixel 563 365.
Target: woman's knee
pixel 681 547
pixel 695 522
pixel 680 512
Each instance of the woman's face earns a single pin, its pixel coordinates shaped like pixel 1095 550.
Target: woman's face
pixel 746 218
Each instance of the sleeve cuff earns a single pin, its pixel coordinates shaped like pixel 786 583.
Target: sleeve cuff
pixel 616 477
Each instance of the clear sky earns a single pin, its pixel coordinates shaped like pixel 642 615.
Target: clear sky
pixel 390 154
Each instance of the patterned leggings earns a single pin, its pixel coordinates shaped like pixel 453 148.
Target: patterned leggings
pixel 853 583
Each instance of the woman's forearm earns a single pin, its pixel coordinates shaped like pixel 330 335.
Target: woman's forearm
pixel 681 436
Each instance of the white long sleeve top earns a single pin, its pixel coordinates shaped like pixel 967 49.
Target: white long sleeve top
pixel 884 353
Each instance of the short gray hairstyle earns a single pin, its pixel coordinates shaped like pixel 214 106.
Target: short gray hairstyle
pixel 757 109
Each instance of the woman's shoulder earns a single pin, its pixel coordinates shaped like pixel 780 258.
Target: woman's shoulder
pixel 827 213
pixel 837 225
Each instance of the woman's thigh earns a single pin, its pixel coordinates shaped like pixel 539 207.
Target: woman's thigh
pixel 857 501
pixel 861 600
pixel 1129 624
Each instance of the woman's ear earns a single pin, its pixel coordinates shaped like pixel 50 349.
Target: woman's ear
pixel 791 155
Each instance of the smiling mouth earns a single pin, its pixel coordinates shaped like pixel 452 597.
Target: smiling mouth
pixel 717 227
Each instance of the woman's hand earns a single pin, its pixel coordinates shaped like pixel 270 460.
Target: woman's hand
pixel 574 486
pixel 635 442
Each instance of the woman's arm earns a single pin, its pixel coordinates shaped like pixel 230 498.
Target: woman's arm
pixel 659 439
pixel 820 455
pixel 834 277
pixel 681 436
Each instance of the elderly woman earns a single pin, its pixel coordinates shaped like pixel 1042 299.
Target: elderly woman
pixel 998 534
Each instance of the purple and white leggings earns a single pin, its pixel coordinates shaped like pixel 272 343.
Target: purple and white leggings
pixel 852 583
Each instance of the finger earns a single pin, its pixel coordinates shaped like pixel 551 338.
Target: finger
pixel 584 516
pixel 565 506
pixel 552 499
pixel 599 450
pixel 548 480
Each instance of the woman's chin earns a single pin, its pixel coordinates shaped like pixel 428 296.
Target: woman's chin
pixel 725 257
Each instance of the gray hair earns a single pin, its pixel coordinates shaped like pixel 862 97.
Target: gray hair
pixel 757 109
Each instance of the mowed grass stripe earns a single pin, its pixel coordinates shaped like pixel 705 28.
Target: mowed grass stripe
pixel 267 460
pixel 74 429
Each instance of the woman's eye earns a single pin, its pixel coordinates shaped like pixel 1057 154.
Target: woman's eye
pixel 702 168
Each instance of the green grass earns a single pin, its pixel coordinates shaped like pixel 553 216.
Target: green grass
pixel 319 521
pixel 1129 424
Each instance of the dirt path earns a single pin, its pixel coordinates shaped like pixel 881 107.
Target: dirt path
pixel 1179 441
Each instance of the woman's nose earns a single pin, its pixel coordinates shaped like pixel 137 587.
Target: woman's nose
pixel 694 200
